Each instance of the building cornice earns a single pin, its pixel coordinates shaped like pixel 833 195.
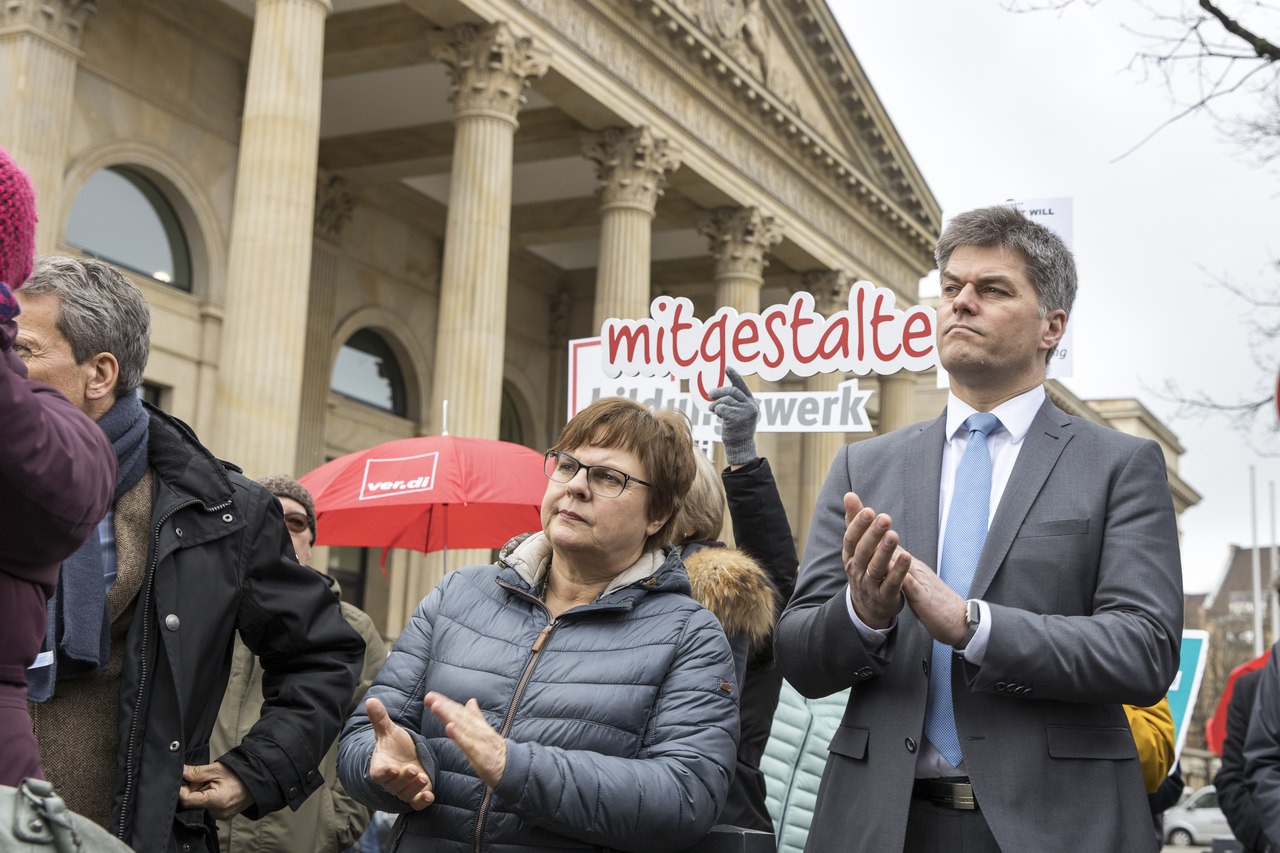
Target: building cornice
pixel 906 219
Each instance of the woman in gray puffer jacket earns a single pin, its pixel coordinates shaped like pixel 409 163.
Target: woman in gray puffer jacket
pixel 600 708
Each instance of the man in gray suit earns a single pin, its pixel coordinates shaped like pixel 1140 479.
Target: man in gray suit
pixel 985 715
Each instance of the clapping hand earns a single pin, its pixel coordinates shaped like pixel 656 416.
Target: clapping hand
pixel 738 413
pixel 395 765
pixel 873 563
pixel 480 742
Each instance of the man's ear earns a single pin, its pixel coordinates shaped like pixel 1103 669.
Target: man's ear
pixel 1055 328
pixel 104 373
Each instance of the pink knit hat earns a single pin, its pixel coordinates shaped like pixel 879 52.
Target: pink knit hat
pixel 17 224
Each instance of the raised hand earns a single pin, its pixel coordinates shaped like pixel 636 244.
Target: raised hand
pixel 738 413
pixel 873 563
pixel 395 765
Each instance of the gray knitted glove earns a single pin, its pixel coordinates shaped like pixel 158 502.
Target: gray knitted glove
pixel 738 414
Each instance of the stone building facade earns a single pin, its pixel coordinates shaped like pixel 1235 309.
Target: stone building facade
pixel 347 212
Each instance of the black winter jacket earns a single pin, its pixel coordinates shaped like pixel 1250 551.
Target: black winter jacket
pixel 220 561
pixel 761 529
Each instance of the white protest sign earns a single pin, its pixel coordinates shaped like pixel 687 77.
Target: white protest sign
pixel 840 410
pixel 870 335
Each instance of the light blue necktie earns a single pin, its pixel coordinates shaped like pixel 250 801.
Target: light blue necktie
pixel 961 548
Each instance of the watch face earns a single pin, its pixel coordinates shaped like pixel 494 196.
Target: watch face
pixel 973 614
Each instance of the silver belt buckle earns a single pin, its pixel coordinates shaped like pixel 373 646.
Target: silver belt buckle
pixel 956 795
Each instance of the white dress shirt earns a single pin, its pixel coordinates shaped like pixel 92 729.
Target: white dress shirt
pixel 1004 444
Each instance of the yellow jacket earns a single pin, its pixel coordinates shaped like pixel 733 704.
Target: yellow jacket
pixel 1153 733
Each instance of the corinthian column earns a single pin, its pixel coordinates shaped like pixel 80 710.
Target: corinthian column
pixel 490 68
pixel 269 264
pixel 741 238
pixel 632 165
pixel 39 48
pixel 830 289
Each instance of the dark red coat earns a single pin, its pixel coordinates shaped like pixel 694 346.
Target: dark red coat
pixel 57 478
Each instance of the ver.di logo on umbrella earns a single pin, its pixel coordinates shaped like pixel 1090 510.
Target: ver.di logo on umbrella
pixel 386 478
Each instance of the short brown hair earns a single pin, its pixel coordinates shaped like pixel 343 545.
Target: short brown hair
pixel 662 440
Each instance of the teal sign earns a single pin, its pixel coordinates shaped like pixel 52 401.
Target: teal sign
pixel 1186 684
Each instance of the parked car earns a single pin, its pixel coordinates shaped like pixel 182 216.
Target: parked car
pixel 1196 820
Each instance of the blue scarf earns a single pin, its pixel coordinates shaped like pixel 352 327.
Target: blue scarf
pixel 79 627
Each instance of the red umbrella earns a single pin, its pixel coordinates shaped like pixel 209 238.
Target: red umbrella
pixel 428 494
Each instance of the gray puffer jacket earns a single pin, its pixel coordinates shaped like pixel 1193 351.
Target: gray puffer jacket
pixel 620 716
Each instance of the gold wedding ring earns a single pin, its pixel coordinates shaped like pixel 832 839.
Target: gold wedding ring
pixel 874 578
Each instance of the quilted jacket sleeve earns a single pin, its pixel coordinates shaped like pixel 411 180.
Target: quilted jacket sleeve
pixel 669 795
pixel 400 686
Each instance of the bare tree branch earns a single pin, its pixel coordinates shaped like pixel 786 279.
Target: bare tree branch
pixel 1263 48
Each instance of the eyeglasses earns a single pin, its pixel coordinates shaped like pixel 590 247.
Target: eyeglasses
pixel 297 522
pixel 603 481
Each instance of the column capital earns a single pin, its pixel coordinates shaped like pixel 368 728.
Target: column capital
pixel 63 20
pixel 335 202
pixel 741 238
pixel 490 67
pixel 632 166
pixel 830 289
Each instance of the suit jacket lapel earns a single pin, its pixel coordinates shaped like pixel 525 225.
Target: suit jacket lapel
pixel 918 530
pixel 1049 434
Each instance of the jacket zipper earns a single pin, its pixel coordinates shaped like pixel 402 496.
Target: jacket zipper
pixel 144 609
pixel 509 720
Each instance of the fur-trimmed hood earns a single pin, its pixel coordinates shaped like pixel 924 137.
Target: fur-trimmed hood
pixel 734 587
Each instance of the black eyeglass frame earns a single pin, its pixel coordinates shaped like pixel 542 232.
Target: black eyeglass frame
pixel 549 466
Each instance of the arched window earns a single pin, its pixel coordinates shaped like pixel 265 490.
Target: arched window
pixel 122 217
pixel 367 371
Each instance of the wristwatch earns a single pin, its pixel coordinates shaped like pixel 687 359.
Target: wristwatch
pixel 972 616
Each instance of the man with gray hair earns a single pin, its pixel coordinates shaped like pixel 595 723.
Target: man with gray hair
pixel 986 714
pixel 141 627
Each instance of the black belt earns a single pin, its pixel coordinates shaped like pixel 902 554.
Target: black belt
pixel 951 795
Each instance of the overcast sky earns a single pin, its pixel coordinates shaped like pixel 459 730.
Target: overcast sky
pixel 995 105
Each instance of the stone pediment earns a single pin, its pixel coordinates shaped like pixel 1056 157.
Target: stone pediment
pixel 795 50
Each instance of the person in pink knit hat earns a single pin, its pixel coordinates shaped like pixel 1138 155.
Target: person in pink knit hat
pixel 57 477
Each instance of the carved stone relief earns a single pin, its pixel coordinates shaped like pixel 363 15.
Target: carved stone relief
pixel 335 202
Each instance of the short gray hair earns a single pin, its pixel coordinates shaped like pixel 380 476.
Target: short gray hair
pixel 99 311
pixel 1050 267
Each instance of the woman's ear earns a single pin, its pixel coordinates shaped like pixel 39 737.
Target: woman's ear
pixel 655 525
